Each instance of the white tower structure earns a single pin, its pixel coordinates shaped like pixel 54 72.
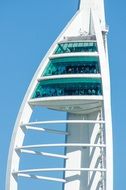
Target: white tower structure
pixel 74 78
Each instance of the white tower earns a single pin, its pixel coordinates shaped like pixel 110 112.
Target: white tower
pixel 73 77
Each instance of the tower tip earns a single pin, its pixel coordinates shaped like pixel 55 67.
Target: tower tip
pixel 80 4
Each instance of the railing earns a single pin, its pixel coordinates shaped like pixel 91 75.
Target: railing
pixel 81 37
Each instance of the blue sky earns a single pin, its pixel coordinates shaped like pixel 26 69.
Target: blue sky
pixel 27 29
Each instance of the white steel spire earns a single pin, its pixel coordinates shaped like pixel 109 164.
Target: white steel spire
pixel 85 5
pixel 73 78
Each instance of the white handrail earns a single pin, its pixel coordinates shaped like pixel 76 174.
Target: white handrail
pixel 60 169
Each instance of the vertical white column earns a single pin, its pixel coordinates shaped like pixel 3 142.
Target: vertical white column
pixel 107 103
pixel 78 157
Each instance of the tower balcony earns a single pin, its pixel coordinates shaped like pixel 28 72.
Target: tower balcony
pixel 72 65
pixel 83 37
pixel 69 94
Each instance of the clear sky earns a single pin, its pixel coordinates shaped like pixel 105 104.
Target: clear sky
pixel 27 29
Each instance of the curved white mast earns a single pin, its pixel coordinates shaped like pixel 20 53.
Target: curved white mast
pixel 88 155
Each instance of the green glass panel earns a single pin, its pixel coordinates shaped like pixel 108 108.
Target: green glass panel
pixel 75 44
pixel 66 87
pixel 70 45
pixel 76 47
pixel 72 65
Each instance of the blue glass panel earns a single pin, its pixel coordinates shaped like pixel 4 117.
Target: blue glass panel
pixel 68 87
pixel 76 47
pixel 72 65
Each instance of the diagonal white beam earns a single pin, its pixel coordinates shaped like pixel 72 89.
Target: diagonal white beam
pixel 43 153
pixel 41 177
pixel 47 130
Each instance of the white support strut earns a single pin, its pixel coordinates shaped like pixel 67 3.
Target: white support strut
pixel 60 169
pixel 61 145
pixel 63 122
pixel 41 177
pixel 43 153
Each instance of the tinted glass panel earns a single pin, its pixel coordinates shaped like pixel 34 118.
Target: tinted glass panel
pixel 66 87
pixel 76 47
pixel 72 65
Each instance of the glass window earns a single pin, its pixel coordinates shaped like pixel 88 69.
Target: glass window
pixel 72 65
pixel 76 47
pixel 68 87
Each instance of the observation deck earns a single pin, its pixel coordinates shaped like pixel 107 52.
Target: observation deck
pixel 71 81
